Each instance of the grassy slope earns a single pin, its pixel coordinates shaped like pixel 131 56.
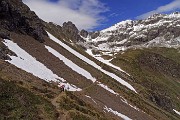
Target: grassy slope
pixel 19 103
pixel 77 109
pixel 157 73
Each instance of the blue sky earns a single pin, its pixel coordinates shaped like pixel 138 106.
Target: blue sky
pixel 99 14
pixel 120 10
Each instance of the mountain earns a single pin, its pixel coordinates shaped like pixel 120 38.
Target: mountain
pixel 102 80
pixel 159 30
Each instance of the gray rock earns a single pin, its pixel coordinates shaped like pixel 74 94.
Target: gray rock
pixel 94 34
pixel 71 31
pixel 4 52
pixel 84 33
pixel 4 35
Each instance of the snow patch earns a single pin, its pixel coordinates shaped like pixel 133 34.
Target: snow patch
pixel 117 113
pixel 177 112
pixel 70 87
pixel 125 101
pixel 107 88
pixel 91 98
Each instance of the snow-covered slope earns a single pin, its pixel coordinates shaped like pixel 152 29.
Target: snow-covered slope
pixel 26 62
pixel 159 30
pixel 92 63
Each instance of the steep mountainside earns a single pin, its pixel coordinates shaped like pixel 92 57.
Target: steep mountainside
pixel 17 17
pixel 38 58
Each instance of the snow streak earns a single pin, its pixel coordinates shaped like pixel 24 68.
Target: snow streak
pixel 117 113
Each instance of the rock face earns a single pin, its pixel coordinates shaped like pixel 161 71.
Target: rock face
pixel 71 31
pixel 4 35
pixel 4 52
pixel 84 33
pixel 17 17
pixel 94 34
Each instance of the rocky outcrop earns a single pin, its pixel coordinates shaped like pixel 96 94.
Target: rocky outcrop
pixel 94 34
pixel 84 33
pixel 162 101
pixel 4 52
pixel 71 31
pixel 4 35
pixel 17 17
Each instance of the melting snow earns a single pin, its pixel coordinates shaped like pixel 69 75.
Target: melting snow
pixel 125 101
pixel 29 64
pixel 113 92
pixel 177 112
pixel 71 64
pixel 90 62
pixel 107 88
pixel 90 98
pixel 70 87
pixel 107 62
pixel 117 113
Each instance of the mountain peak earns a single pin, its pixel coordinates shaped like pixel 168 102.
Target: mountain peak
pixel 71 31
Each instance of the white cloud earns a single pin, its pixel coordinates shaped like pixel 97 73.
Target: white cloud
pixel 84 13
pixel 162 9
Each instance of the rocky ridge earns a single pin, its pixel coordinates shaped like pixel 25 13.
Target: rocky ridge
pixel 159 30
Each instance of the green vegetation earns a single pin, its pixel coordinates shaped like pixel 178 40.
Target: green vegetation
pixel 75 115
pixel 78 109
pixel 156 72
pixel 19 103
